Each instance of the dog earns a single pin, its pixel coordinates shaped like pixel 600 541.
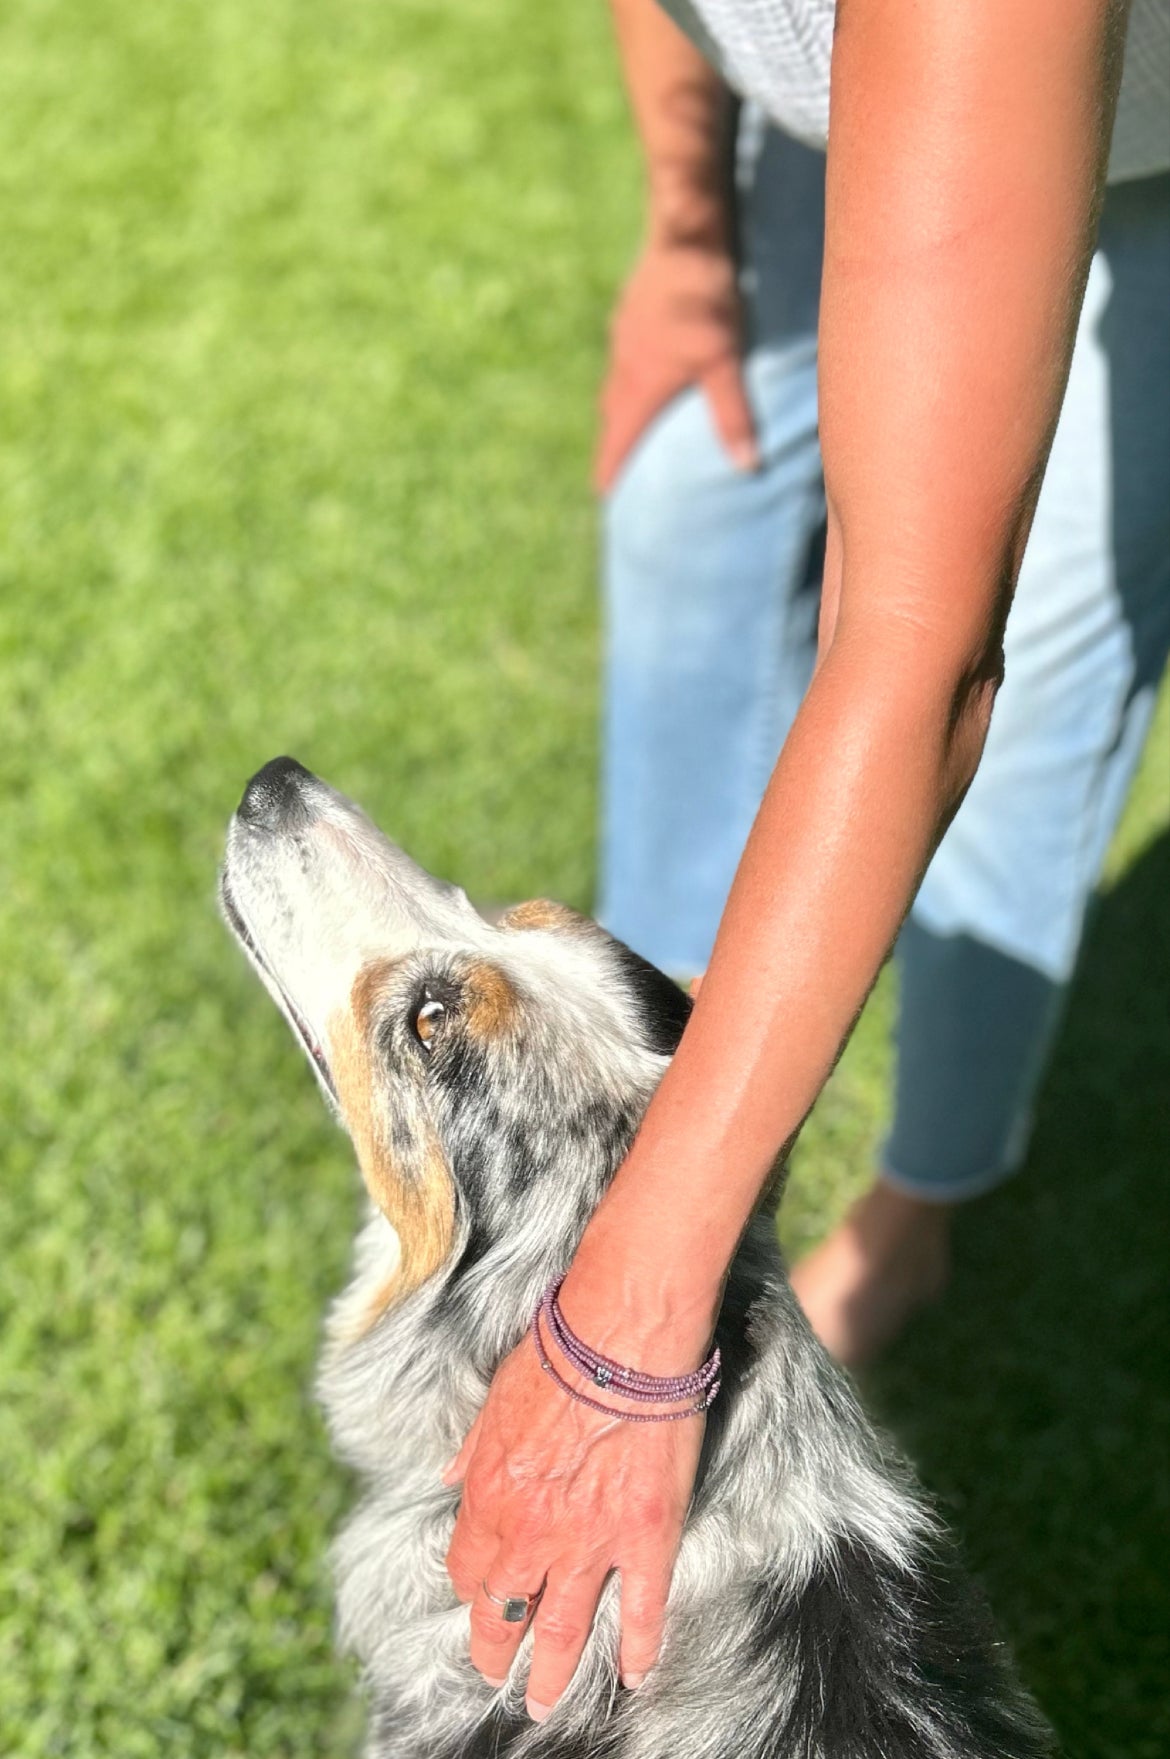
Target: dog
pixel 491 1079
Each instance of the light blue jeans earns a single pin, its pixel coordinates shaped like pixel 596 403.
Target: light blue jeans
pixel 712 584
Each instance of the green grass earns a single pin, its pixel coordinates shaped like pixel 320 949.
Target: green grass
pixel 302 310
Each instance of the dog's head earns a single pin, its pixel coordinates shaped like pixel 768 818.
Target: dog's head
pixel 491 1077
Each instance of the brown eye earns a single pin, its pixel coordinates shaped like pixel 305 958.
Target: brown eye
pixel 427 1021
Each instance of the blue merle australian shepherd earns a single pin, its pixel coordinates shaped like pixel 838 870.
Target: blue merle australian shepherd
pixel 491 1078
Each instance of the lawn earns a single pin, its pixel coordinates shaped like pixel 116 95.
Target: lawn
pixel 303 308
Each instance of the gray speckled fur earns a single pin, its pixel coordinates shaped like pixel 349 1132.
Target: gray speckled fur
pixel 813 1613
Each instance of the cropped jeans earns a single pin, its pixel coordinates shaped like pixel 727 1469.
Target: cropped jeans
pixel 712 584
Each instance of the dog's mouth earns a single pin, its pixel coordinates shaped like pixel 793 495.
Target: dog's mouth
pixel 235 921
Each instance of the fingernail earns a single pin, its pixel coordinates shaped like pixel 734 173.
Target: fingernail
pixel 746 455
pixel 496 1685
pixel 538 1712
pixel 631 1681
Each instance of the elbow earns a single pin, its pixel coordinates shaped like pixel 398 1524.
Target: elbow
pixel 937 686
pixel 973 690
pixel 936 668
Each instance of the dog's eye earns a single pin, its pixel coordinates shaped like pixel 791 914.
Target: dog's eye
pixel 427 1022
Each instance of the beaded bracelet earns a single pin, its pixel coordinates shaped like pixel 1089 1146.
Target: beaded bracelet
pixel 699 1389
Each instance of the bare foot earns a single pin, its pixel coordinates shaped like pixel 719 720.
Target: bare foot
pixel 889 1257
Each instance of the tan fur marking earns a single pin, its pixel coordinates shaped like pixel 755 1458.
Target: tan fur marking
pixel 415 1194
pixel 542 913
pixel 489 1002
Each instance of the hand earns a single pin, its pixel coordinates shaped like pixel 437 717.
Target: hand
pixel 678 323
pixel 557 1496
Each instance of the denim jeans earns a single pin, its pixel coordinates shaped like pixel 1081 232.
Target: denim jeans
pixel 712 582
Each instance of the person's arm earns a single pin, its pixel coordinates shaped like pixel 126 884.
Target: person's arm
pixel 678 321
pixel 966 157
pixel 965 163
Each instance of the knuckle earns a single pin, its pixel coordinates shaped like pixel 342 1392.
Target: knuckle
pixel 651 1513
pixel 478 1485
pixel 641 1637
pixel 643 1620
pixel 561 1632
pixel 469 1523
pixel 465 1549
pixel 488 1631
pixel 527 1526
pixel 643 1602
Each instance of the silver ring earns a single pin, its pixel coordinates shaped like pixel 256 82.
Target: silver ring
pixel 514 1608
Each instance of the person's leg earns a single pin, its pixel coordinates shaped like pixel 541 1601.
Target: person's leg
pixel 712 582
pixel 989 949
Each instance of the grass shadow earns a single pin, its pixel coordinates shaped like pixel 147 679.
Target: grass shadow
pixel 1036 1402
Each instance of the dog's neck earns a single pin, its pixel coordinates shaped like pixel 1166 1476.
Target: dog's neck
pixel 523 1199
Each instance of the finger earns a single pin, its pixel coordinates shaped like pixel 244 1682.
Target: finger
pixel 561 1629
pixel 455 1471
pixel 495 1639
pixel 629 406
pixel 645 1587
pixel 731 412
pixel 474 1544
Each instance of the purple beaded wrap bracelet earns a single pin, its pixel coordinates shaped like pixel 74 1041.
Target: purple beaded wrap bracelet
pixel 698 1390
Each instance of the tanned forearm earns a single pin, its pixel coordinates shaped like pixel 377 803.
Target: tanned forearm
pixel 965 164
pixel 682 111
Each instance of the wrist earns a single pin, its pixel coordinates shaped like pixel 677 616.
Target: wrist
pixel 641 1305
pixel 688 210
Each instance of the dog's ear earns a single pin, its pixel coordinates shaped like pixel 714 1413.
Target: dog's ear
pixel 401 1159
pixel 663 1008
pixel 546 913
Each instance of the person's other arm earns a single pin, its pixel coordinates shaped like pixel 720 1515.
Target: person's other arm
pixel 678 321
pixel 965 162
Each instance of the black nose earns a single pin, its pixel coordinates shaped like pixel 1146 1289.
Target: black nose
pixel 275 797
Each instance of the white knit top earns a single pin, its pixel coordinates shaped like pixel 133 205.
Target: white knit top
pixel 776 52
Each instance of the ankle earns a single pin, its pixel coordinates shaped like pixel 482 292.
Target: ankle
pixel 888 1258
pixel 887 1219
